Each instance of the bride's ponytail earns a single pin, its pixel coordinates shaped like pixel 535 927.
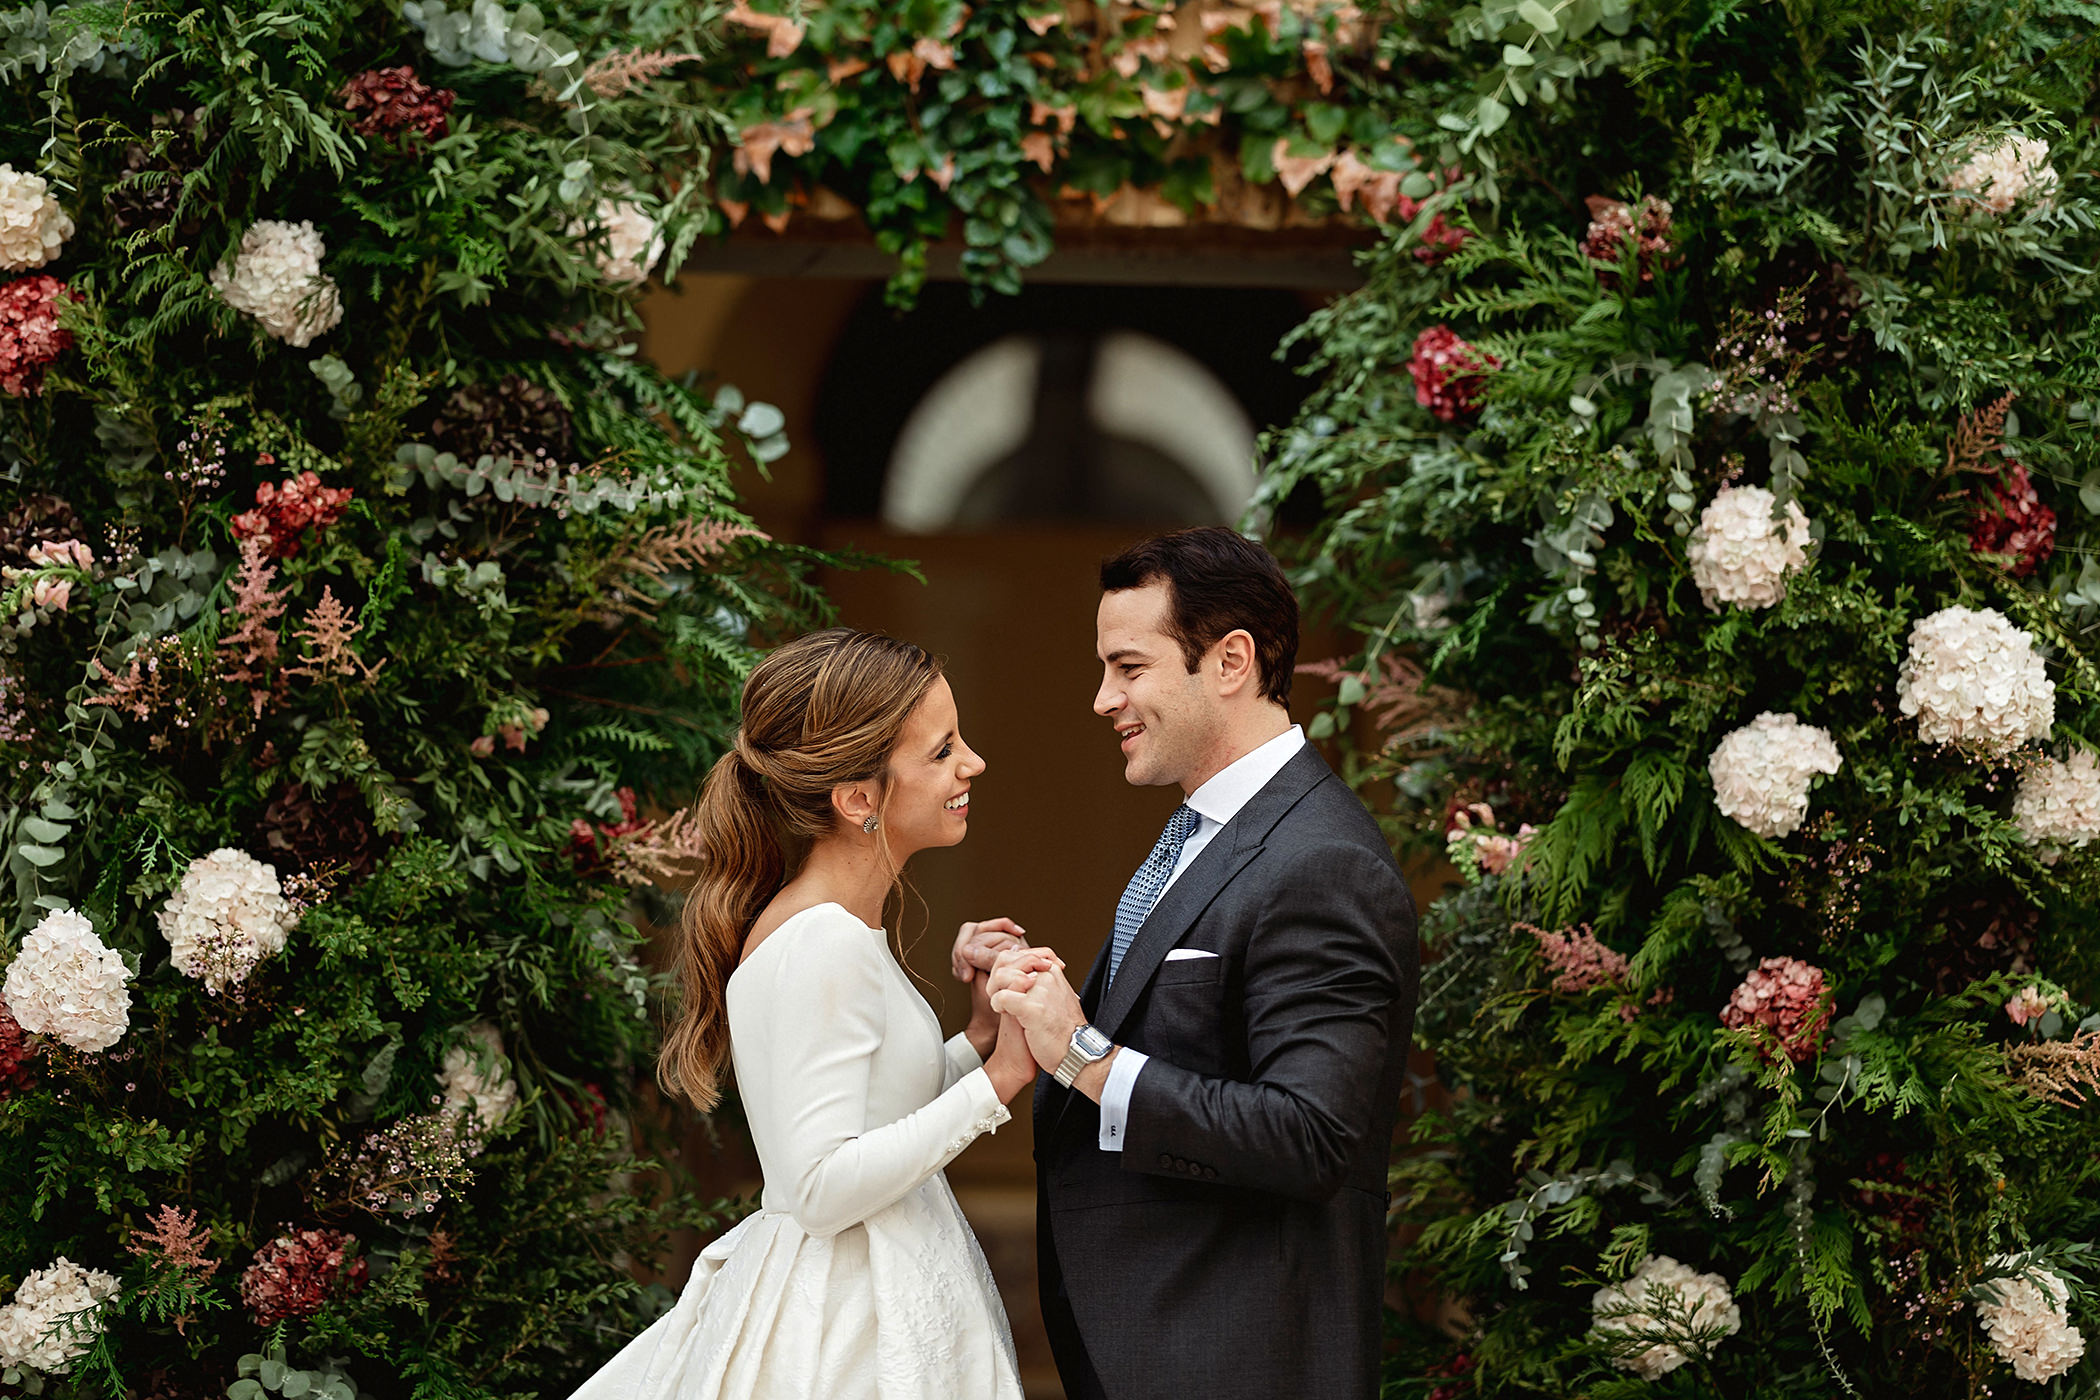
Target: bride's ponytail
pixel 822 710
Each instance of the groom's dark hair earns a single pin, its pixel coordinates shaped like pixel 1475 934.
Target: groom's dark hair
pixel 1218 581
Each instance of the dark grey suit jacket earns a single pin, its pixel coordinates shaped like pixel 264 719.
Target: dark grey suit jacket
pixel 1235 1248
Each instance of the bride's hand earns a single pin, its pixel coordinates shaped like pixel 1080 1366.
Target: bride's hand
pixel 1010 1066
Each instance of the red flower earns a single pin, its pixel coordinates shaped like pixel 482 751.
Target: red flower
pixel 1447 372
pixel 590 857
pixel 284 513
pixel 294 1274
pixel 1458 1371
pixel 30 336
pixel 14 1053
pixel 2013 521
pixel 1438 240
pixel 1614 224
pixel 394 100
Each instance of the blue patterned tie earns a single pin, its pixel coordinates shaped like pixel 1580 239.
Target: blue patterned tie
pixel 1145 886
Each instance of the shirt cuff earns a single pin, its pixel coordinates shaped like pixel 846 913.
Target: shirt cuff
pixel 1115 1097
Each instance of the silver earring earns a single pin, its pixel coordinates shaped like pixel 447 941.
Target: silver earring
pixel 869 825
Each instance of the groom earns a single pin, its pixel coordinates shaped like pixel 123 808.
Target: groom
pixel 1211 1141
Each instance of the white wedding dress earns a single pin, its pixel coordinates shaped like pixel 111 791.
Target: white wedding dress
pixel 858 1279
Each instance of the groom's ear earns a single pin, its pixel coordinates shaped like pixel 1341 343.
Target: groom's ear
pixel 1232 661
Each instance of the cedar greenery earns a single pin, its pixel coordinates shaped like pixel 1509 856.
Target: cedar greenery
pixel 1529 552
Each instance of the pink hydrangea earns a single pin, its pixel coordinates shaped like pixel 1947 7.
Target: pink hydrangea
pixel 1614 224
pixel 1448 372
pixel 1580 963
pixel 30 336
pixel 294 1274
pixel 2011 520
pixel 1785 996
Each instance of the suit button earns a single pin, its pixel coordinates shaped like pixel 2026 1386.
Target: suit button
pixel 1166 1159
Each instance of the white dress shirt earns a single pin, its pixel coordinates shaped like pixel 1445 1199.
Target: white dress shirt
pixel 1215 803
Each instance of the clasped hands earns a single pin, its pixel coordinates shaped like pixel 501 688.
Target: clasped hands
pixel 1021 1005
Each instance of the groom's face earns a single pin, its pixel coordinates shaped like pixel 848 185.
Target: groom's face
pixel 1166 721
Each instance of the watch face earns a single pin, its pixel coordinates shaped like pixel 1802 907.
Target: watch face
pixel 1091 1042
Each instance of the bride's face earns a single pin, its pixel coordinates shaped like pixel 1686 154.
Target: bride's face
pixel 928 802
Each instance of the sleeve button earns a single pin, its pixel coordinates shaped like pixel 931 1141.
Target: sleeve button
pixel 1210 1173
pixel 1166 1159
pixel 1180 1165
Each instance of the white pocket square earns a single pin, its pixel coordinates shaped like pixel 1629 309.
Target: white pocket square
pixel 1182 954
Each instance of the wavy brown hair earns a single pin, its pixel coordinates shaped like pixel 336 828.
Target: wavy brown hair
pixel 824 709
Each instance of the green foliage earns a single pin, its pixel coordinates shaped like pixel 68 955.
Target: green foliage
pixel 942 120
pixel 443 709
pixel 1826 308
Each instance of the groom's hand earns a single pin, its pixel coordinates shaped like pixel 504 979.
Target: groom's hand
pixel 979 944
pixel 1037 995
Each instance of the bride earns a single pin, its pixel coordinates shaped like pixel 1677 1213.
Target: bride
pixel 858 1277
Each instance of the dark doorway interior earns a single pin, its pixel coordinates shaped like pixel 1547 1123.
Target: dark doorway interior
pixel 885 362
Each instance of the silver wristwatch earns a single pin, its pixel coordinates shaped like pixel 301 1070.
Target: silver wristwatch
pixel 1088 1045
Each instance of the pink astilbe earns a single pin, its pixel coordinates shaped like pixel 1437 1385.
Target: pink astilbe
pixel 1448 373
pixel 177 1240
pixel 148 681
pixel 294 1274
pixel 2011 520
pixel 1579 962
pixel 283 514
pixel 248 653
pixel 30 336
pixel 1787 997
pixel 325 634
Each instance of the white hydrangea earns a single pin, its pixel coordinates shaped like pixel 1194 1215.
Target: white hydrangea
pixel 66 984
pixel 31 1334
pixel 2029 1323
pixel 1761 772
pixel 32 225
pixel 1974 679
pixel 2003 174
pixel 1740 554
pixel 1664 1314
pixel 2058 804
pixel 276 278
pixel 228 914
pixel 476 1076
pixel 632 240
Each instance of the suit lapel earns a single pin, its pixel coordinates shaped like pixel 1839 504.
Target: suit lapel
pixel 1212 870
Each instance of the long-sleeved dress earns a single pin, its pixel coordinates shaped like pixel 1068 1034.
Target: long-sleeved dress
pixel 858 1279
